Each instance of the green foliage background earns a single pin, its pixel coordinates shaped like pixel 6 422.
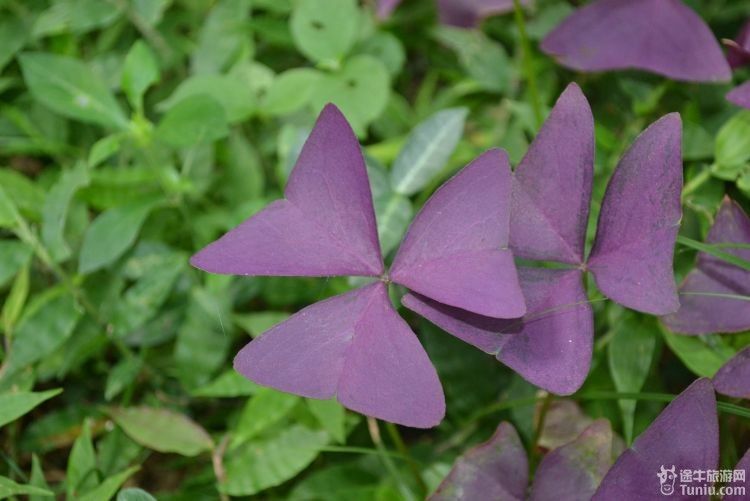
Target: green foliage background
pixel 133 132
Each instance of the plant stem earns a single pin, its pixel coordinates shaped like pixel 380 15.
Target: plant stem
pixel 535 453
pixel 413 466
pixel 372 428
pixel 527 64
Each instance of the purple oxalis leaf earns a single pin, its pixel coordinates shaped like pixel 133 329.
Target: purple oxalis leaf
pixel 353 346
pixel 685 436
pixel 461 13
pixel 573 471
pixel 733 379
pixel 551 347
pixel 496 469
pixel 704 314
pixel 455 250
pixel 552 185
pixel 740 95
pixel 632 255
pixel 742 465
pixel 326 224
pixel 738 50
pixel 661 36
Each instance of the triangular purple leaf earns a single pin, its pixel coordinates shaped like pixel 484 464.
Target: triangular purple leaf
pixel 685 436
pixel 326 224
pixel 739 494
pixel 740 95
pixel 640 216
pixel 573 471
pixel 733 379
pixel 551 347
pixel 468 13
pixel 455 250
pixel 661 36
pixel 738 50
pixel 497 469
pixel 704 314
pixel 552 185
pixel 355 347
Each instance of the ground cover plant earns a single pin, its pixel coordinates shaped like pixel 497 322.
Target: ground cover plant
pixel 455 248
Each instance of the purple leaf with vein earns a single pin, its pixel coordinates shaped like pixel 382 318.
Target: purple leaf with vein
pixel 324 227
pixel 497 469
pixel 455 250
pixel 733 379
pixel 738 50
pixel 740 95
pixel 552 185
pixel 355 347
pixel 632 255
pixel 550 347
pixel 684 436
pixel 743 465
pixel 573 471
pixel 701 313
pixel 660 36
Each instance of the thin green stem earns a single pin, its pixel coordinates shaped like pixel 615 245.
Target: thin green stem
pixel 712 250
pixel 535 452
pixel 413 466
pixel 374 430
pixel 528 64
pixel 696 183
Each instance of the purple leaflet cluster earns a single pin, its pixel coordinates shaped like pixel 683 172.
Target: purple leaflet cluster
pixel 354 346
pixel 707 304
pixel 685 436
pixel 631 259
pixel 456 260
pixel 738 55
pixel 660 36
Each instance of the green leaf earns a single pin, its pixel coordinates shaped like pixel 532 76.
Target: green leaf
pixel 15 405
pixel 244 174
pixel 104 148
pixel 37 478
pixel 394 213
pixel 14 302
pixel 70 88
pixel 45 326
pixel 112 233
pixel 704 355
pixel 290 91
pixel 162 430
pixel 340 482
pixel 134 494
pixel 10 488
pixel 360 89
pixel 8 212
pixel 108 488
pixel 202 341
pixel 139 72
pixel 732 149
pixel 482 58
pixel 223 37
pixel 630 354
pixel 263 410
pixel 331 415
pixel 121 376
pixel 427 150
pixel 257 323
pixel 14 255
pixel 235 97
pixel 258 465
pixel 82 475
pixel 13 35
pixel 324 30
pixel 24 194
pixel 386 47
pixel 197 119
pixel 229 384
pixel 75 16
pixel 55 210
